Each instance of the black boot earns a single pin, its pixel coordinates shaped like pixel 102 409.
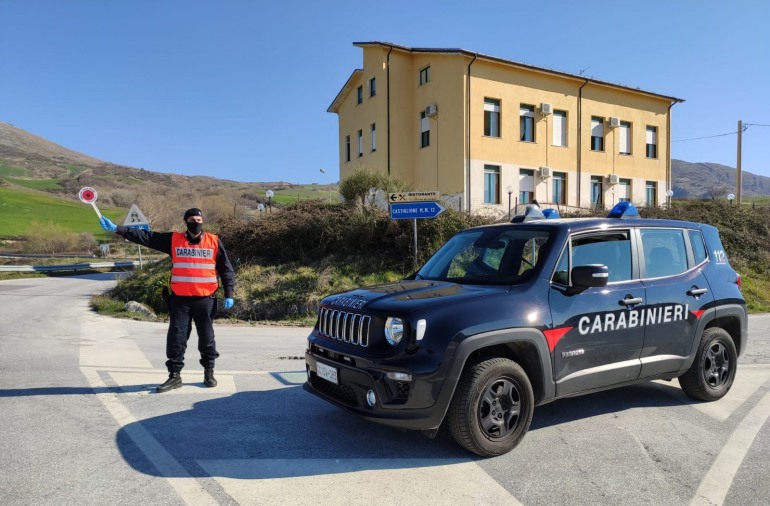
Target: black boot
pixel 208 377
pixel 174 381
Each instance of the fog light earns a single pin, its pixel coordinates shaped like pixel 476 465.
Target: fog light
pixel 309 377
pixel 371 399
pixel 399 376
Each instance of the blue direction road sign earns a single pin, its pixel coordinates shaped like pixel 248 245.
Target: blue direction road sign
pixel 410 210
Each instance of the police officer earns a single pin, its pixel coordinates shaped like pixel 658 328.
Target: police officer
pixel 196 259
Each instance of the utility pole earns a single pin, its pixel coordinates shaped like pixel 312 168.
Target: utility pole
pixel 738 175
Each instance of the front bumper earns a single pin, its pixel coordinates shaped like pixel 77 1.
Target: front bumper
pixel 408 405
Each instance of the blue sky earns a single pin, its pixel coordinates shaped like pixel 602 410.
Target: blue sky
pixel 239 89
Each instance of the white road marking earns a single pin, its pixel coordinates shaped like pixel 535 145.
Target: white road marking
pixel 749 379
pixel 357 481
pixel 715 485
pixel 187 487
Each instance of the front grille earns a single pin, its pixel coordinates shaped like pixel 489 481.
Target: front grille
pixel 344 326
pixel 402 388
pixel 341 393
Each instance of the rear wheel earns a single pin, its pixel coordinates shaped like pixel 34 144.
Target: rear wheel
pixel 713 371
pixel 492 407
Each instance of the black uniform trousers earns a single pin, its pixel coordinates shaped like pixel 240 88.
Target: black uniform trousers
pixel 183 311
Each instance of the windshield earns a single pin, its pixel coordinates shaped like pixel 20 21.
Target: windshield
pixel 488 256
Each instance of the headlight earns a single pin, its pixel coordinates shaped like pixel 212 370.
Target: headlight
pixel 394 330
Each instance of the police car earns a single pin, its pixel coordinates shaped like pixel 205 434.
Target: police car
pixel 506 317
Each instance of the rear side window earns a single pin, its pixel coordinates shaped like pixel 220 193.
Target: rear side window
pixel 698 246
pixel 664 252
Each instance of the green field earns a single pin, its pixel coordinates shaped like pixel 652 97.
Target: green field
pixel 22 208
pixel 309 192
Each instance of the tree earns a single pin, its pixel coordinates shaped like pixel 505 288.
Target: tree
pixel 355 188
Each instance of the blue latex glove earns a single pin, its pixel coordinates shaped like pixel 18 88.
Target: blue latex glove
pixel 107 224
pixel 229 303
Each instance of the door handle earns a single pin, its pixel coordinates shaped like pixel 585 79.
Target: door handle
pixel 631 301
pixel 697 291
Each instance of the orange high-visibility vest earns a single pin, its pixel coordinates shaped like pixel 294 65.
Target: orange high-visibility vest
pixel 193 266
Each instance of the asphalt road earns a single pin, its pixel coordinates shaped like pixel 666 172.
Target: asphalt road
pixel 80 424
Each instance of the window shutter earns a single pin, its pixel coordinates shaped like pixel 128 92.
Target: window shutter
pixel 652 135
pixel 526 183
pixel 625 138
pixel 597 128
pixel 559 128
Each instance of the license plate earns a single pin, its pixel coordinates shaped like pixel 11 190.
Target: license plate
pixel 326 372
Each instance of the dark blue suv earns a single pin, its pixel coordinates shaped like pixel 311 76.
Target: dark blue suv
pixel 506 317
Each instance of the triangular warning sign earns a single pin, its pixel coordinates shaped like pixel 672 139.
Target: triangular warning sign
pixel 135 218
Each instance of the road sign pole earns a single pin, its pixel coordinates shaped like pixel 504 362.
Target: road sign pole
pixel 414 221
pixel 140 256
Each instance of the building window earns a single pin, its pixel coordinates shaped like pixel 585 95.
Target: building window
pixel 623 190
pixel 374 137
pixel 425 75
pixel 652 142
pixel 347 148
pixel 424 130
pixel 559 128
pixel 527 122
pixel 491 117
pixel 625 138
pixel 372 87
pixel 559 187
pixel 597 193
pixel 360 94
pixel 491 184
pixel 526 186
pixel 597 133
pixel 651 194
pixel 360 143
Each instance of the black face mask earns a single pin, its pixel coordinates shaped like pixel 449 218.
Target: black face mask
pixel 194 227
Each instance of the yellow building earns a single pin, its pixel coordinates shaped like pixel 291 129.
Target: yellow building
pixel 489 133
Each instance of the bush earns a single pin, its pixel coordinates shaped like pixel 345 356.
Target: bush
pixel 50 238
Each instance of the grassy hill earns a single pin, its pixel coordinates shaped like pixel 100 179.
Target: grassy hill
pixel 22 208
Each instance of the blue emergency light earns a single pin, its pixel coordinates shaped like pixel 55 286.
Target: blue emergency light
pixel 624 210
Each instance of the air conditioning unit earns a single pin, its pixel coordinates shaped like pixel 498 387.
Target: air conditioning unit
pixel 546 108
pixel 614 122
pixel 545 172
pixel 431 110
pixel 613 179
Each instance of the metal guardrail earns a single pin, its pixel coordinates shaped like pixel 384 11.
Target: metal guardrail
pixel 71 267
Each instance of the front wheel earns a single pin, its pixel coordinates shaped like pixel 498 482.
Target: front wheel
pixel 713 371
pixel 492 407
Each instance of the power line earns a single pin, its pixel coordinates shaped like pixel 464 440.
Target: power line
pixel 717 135
pixel 753 124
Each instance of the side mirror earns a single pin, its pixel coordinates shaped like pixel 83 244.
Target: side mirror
pixel 587 276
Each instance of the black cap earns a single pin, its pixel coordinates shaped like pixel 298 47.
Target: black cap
pixel 192 212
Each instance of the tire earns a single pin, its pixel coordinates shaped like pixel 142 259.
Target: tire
pixel 492 407
pixel 713 371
